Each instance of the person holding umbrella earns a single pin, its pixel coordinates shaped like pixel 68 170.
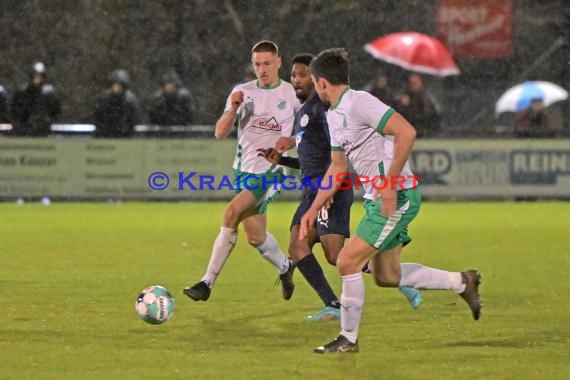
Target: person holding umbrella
pixel 418 53
pixel 528 100
pixel 420 108
pixel 533 121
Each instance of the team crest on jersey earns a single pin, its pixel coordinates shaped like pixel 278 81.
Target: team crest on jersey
pixel 282 104
pixel 270 124
pixel 304 120
pixel 344 122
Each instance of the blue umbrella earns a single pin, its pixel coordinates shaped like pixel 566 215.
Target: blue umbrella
pixel 520 96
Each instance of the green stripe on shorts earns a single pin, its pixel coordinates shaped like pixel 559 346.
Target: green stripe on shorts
pixel 386 233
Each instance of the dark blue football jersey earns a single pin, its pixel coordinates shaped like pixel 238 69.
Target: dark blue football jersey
pixel 312 135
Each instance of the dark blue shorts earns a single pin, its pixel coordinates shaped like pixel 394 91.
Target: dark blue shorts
pixel 335 220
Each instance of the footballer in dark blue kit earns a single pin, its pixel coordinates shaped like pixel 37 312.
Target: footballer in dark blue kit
pixel 313 148
pixel 311 136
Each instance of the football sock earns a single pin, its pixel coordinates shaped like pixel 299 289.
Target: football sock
pixel 223 246
pixel 351 300
pixel 269 249
pixel 313 273
pixel 421 277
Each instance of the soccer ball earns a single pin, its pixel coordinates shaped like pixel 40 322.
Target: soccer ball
pixel 155 305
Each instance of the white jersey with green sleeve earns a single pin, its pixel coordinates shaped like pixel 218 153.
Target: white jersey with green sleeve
pixel 355 123
pixel 266 114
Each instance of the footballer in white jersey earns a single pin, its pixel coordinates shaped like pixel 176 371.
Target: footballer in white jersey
pixel 358 125
pixel 355 124
pixel 265 109
pixel 266 114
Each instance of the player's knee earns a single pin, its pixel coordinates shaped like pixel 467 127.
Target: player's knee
pixel 298 249
pixel 331 257
pixel 231 216
pixel 344 265
pixel 387 280
pixel 255 240
pixel 332 250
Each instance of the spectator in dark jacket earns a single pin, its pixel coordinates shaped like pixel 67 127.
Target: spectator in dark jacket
pixel 116 110
pixel 172 104
pixel 381 89
pixel 4 117
pixel 420 108
pixel 35 106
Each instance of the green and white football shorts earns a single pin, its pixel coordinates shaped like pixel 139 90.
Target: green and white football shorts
pixel 386 233
pixel 265 187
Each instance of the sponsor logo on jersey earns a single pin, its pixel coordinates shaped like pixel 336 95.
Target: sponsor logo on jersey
pixel 270 124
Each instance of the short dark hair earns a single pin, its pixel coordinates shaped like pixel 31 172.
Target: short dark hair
pixel 265 46
pixel 303 59
pixel 332 64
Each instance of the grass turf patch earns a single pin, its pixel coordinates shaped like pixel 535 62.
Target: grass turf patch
pixel 71 274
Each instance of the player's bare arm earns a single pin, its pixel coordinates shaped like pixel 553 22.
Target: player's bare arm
pixel 339 164
pixel 404 137
pixel 226 121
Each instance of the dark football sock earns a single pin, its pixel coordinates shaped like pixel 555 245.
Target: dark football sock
pixel 313 273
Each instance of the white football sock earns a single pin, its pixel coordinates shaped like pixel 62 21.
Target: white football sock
pixel 421 277
pixel 269 249
pixel 223 246
pixel 351 301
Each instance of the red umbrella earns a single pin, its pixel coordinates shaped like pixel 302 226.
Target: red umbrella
pixel 415 52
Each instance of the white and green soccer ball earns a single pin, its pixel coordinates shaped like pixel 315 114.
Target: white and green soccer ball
pixel 155 305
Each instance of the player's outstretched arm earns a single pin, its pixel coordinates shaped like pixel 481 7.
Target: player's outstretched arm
pixel 338 166
pixel 226 121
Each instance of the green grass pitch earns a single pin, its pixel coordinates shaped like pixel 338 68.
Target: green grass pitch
pixel 70 274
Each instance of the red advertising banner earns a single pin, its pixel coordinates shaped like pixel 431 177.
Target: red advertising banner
pixel 475 28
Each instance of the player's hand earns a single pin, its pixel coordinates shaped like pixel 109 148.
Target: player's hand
pixel 307 223
pixel 389 197
pixel 269 154
pixel 236 98
pixel 283 144
pixel 328 203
